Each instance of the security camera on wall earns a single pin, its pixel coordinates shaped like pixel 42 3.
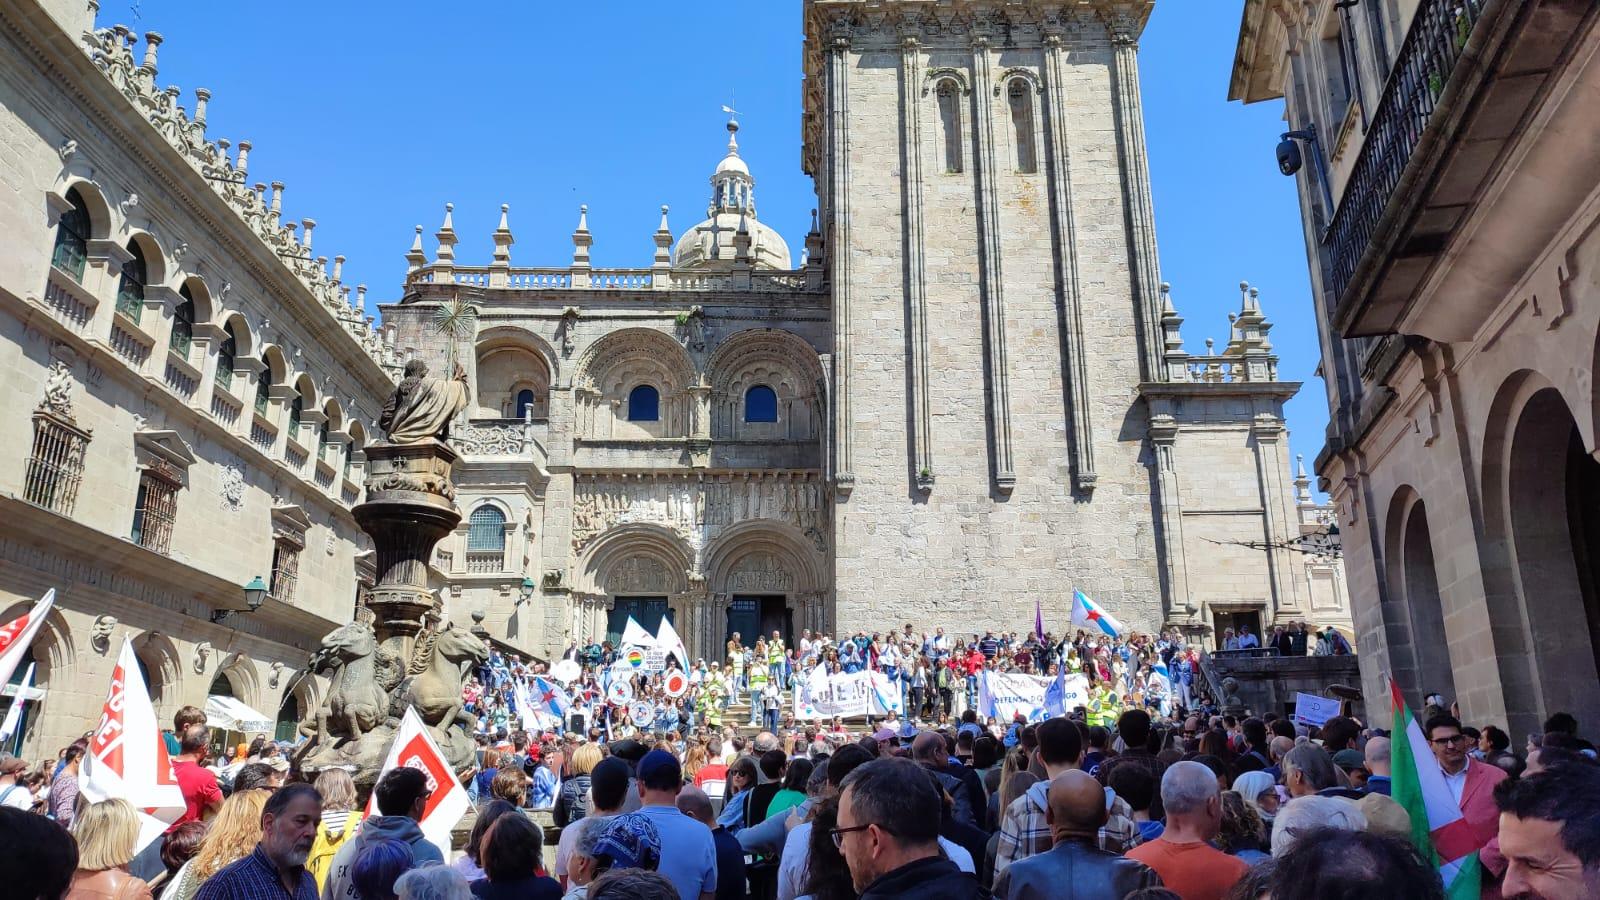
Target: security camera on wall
pixel 1289 158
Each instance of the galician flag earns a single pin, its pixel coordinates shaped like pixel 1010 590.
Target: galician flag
pixel 667 639
pixel 1438 829
pixel 127 757
pixel 634 635
pixel 1087 614
pixel 549 697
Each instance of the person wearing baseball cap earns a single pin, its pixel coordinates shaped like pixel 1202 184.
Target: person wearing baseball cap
pixel 688 853
pixel 12 792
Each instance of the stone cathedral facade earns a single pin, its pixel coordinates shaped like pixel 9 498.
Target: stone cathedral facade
pixel 970 393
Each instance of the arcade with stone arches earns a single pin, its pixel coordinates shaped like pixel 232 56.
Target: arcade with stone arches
pixel 755 577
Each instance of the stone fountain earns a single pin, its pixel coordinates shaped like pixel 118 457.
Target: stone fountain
pixel 398 651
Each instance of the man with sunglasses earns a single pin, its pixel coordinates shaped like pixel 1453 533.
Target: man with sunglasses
pixel 1471 782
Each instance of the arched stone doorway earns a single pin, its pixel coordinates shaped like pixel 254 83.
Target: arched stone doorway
pixel 1413 610
pixel 765 577
pixel 1542 496
pixel 639 570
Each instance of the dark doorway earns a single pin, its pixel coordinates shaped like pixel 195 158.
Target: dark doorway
pixel 1583 523
pixel 756 615
pixel 1224 619
pixel 647 611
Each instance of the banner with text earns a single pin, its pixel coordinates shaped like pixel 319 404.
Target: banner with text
pixel 1002 695
pixel 864 693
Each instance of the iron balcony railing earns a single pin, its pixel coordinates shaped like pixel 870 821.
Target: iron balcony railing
pixel 1426 60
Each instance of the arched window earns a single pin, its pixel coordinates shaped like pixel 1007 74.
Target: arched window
pixel 221 686
pixel 486 529
pixel 350 451
pixel 948 94
pixel 297 408
pixel 227 350
pixel 761 404
pixel 322 438
pixel 644 404
pixel 524 402
pixel 1022 126
pixel 72 237
pixel 263 389
pixel 183 324
pixel 130 288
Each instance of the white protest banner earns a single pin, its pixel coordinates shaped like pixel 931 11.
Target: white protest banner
pixel 1005 695
pixel 1309 709
pixel 127 758
pixel 414 748
pixel 864 693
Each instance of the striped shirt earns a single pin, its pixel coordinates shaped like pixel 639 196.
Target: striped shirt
pixel 254 878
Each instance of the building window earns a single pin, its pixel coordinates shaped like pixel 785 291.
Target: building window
pixel 524 403
pixel 227 351
pixel 644 404
pixel 761 404
pixel 1379 36
pixel 486 540
pixel 323 433
pixel 156 509
pixel 350 451
pixel 297 408
pixel 183 324
pixel 1336 65
pixel 72 237
pixel 55 467
pixel 263 389
pixel 1022 126
pixel 285 569
pixel 130 288
pixel 950 124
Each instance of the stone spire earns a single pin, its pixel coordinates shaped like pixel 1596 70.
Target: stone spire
pixel 415 258
pixel 731 212
pixel 1302 482
pixel 502 238
pixel 1248 337
pixel 1175 360
pixel 500 266
pixel 446 254
pixel 582 240
pixel 663 239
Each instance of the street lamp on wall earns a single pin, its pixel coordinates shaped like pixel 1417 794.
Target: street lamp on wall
pixel 525 592
pixel 255 594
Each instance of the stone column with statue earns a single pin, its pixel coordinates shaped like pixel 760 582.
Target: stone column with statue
pixel 398 651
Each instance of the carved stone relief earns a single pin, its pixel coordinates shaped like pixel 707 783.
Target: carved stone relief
pixel 638 575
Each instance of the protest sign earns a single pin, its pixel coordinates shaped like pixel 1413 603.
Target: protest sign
pixel 1309 709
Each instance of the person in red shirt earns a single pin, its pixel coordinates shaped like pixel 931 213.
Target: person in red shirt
pixel 1183 855
pixel 201 795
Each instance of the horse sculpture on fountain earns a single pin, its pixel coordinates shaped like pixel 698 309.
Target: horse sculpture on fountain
pixel 357 702
pixel 437 672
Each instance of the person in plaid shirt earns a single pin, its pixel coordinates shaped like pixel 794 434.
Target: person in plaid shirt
pixel 1025 829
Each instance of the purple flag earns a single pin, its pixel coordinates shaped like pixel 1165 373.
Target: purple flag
pixel 1038 620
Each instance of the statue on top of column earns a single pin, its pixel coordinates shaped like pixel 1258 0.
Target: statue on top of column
pixel 422 407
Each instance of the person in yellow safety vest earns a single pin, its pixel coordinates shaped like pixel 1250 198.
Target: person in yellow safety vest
pixel 775 657
pixel 735 670
pixel 1100 701
pixel 758 683
pixel 711 692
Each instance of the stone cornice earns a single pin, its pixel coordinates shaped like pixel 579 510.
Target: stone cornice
pixel 61 59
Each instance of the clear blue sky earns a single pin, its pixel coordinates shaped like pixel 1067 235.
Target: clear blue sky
pixel 374 121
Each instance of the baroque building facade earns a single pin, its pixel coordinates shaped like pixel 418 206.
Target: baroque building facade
pixel 1450 219
pixel 188 389
pixel 970 394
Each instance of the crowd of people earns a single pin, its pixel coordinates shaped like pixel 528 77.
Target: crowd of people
pixel 1144 793
pixel 935 675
